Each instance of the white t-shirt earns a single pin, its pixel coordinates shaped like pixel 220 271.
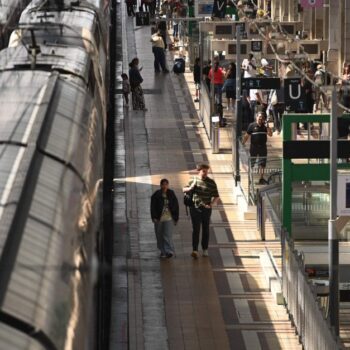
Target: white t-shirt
pixel 253 93
pixel 249 71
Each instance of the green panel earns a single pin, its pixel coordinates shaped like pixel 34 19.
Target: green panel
pixel 301 172
pixel 289 119
pixel 287 195
pixel 310 172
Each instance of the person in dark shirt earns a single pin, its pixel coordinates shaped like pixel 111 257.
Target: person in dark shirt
pixel 205 73
pixel 197 77
pixel 258 132
pixel 135 79
pixel 164 214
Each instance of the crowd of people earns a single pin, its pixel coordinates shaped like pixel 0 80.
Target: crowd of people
pixel 313 78
pixel 258 107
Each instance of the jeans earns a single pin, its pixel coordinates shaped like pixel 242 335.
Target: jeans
pixel 159 59
pixel 175 30
pixel 200 216
pixel 164 234
pixel 218 93
pixel 253 104
pixel 277 112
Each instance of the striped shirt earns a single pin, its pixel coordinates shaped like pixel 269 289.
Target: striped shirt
pixel 204 191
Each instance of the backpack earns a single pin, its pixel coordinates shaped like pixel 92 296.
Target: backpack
pixel 179 66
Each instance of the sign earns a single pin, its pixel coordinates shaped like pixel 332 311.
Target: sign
pixel 261 83
pixel 256 46
pixel 294 95
pixel 142 18
pixel 240 25
pixel 203 8
pixel 343 193
pixel 311 4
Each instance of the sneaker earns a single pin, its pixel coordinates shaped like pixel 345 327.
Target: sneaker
pixel 169 255
pixel 195 254
pixel 205 252
pixel 162 256
pixel 145 109
pixel 196 100
pixel 166 71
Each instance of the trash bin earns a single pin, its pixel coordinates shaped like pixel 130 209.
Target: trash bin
pixel 215 133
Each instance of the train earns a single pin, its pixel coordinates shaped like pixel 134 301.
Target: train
pixel 54 102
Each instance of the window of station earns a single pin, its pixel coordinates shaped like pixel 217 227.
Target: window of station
pixel 232 49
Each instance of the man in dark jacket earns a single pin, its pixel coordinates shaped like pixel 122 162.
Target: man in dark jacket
pixel 164 214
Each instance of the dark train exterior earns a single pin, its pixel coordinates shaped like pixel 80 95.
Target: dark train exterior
pixel 52 142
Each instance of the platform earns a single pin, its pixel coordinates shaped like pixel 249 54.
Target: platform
pixel 220 302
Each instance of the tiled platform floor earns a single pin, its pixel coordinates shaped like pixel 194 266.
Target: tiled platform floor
pixel 221 302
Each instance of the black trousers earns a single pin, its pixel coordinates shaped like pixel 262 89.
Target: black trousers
pixel 130 9
pixel 200 217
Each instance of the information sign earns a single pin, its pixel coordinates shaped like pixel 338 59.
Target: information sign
pixel 203 8
pixel 261 83
pixel 309 4
pixel 256 46
pixel 142 18
pixel 343 193
pixel 294 96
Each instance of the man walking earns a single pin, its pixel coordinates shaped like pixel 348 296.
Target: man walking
pixel 258 133
pixel 205 195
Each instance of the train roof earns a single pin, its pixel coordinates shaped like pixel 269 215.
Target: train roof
pixel 12 339
pixel 54 5
pixel 44 123
pixel 73 28
pixel 67 60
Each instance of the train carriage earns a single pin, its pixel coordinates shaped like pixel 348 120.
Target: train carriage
pixel 52 149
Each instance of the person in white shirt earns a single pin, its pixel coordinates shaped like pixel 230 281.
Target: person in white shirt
pixel 249 66
pixel 158 49
pixel 255 98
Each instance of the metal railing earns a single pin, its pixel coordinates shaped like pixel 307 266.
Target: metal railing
pixel 205 108
pixel 249 171
pixel 303 302
pixel 307 304
pixel 266 206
